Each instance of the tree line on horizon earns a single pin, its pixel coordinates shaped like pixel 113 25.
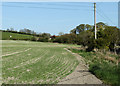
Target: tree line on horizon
pixel 108 37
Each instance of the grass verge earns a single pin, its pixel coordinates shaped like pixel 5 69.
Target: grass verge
pixel 104 69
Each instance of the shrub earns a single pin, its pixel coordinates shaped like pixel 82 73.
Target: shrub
pixel 33 39
pixel 102 43
pixel 67 38
pixel 43 39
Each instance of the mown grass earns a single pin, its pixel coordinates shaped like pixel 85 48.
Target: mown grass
pixel 105 70
pixel 44 63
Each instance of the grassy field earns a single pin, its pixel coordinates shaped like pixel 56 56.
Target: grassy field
pixel 35 62
pixel 15 36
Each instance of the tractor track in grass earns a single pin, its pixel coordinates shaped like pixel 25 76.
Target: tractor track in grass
pixel 59 72
pixel 56 73
pixel 16 52
pixel 81 74
pixel 44 63
pixel 32 61
pixel 23 64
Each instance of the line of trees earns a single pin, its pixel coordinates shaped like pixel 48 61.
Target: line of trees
pixel 43 37
pixel 21 31
pixel 108 37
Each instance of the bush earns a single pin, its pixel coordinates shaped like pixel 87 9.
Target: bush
pixel 33 39
pixel 91 45
pixel 94 67
pixel 42 39
pixel 84 37
pixel 67 38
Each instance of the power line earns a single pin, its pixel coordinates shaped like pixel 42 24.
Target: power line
pixel 57 4
pixel 100 14
pixel 11 6
pixel 45 7
pixel 105 16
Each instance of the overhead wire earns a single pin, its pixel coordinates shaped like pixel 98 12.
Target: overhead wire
pixel 63 4
pixel 104 15
pixel 49 7
pixel 99 12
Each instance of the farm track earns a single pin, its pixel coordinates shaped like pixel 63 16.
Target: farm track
pixel 48 60
pixel 81 75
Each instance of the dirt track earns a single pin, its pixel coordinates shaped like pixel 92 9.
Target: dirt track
pixel 81 75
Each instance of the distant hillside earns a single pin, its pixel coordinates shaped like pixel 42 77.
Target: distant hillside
pixel 15 36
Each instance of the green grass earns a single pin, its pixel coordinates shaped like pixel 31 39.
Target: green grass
pixel 15 36
pixel 43 63
pixel 105 70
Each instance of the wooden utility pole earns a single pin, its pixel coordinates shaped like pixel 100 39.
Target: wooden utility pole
pixel 95 20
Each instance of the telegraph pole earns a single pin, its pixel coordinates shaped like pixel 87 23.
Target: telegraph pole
pixel 95 20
